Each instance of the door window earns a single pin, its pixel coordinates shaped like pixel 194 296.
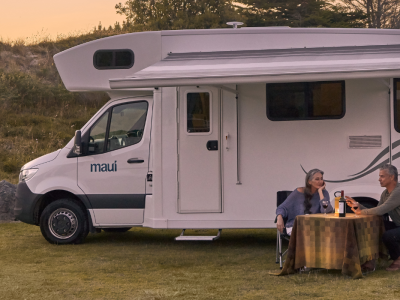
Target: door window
pixel 97 135
pixel 397 104
pixel 198 112
pixel 125 128
pixel 127 125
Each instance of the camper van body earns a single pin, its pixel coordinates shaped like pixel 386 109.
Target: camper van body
pixel 225 172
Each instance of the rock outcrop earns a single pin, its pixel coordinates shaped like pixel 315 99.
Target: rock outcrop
pixel 7 200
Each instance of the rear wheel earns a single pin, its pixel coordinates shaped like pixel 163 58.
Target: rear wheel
pixel 64 222
pixel 120 230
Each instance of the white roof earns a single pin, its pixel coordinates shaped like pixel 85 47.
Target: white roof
pixel 273 65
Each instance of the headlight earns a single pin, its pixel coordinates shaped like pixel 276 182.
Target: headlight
pixel 27 174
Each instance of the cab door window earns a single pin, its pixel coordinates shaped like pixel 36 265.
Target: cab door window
pixel 127 125
pixel 121 126
pixel 97 135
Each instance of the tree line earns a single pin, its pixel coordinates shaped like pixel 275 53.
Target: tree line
pixel 148 15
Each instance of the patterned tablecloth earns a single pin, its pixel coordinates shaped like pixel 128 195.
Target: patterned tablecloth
pixel 330 242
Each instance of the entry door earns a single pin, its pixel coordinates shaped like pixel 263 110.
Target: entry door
pixel 199 151
pixel 112 172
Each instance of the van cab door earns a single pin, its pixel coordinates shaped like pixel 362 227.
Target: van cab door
pixel 112 172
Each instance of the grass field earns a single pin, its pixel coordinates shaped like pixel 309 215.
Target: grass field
pixel 37 114
pixel 148 264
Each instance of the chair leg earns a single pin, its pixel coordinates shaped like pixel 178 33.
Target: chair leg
pixel 280 251
pixel 277 246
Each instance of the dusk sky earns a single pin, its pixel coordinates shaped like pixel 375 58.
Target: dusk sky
pixel 27 18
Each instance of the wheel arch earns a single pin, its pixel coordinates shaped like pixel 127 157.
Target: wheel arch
pixel 358 191
pixel 54 195
pixel 368 202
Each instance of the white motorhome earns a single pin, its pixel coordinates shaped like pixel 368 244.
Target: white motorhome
pixel 205 126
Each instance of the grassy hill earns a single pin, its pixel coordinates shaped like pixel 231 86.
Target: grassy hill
pixel 37 114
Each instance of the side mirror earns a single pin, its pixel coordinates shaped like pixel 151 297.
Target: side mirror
pixel 78 143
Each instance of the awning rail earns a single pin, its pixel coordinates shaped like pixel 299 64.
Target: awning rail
pixel 274 65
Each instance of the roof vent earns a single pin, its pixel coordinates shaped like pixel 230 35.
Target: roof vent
pixel 234 24
pixel 365 141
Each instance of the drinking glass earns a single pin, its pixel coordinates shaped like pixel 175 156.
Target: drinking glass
pixel 355 206
pixel 325 205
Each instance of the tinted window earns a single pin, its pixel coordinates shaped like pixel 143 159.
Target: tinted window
pixel 305 100
pixel 113 59
pixel 127 125
pixel 123 58
pixel 97 135
pixel 198 112
pixel 396 103
pixel 104 59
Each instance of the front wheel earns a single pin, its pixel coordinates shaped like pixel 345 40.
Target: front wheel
pixel 64 222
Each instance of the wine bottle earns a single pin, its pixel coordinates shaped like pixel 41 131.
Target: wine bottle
pixel 342 205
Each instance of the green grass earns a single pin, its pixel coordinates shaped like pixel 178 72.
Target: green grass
pixel 37 114
pixel 148 264
pixel 27 132
pixel 38 117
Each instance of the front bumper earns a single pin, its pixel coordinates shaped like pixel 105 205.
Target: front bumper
pixel 24 209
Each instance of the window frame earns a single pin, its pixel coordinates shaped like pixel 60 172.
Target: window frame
pixel 198 91
pixel 113 67
pixel 306 85
pixel 395 117
pixel 109 111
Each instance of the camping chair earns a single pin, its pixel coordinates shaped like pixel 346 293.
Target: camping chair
pixel 280 197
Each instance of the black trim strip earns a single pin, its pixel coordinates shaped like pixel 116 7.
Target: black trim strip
pixel 117 200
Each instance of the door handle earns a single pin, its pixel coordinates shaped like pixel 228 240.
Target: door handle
pixel 212 145
pixel 135 161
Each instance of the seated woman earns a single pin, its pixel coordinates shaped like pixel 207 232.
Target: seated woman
pixel 303 201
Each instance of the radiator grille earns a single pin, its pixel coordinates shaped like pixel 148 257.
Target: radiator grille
pixel 365 141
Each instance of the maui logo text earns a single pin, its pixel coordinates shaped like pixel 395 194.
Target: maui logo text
pixel 103 167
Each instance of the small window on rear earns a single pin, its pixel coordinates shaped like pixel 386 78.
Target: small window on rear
pixel 113 59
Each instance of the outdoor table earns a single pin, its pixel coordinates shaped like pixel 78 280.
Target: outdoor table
pixel 330 242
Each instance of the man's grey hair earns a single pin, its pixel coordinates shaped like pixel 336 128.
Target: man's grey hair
pixel 391 170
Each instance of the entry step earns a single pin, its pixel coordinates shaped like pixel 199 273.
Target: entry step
pixel 208 238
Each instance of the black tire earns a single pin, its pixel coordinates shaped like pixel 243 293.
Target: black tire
pixel 64 222
pixel 120 230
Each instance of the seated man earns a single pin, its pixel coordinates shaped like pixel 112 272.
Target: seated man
pixel 389 203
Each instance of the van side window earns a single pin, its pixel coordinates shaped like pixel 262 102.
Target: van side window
pixel 396 104
pixel 198 112
pixel 305 100
pixel 113 59
pixel 97 135
pixel 127 125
